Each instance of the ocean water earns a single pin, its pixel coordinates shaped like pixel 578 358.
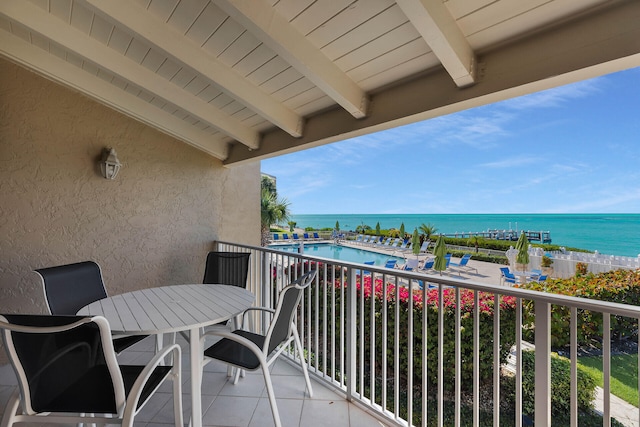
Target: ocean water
pixel 614 234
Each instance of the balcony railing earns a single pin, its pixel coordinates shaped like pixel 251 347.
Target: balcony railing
pixel 379 344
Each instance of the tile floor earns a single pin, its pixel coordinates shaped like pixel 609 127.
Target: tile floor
pixel 243 405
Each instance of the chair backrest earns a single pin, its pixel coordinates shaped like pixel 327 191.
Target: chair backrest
pixel 390 263
pixel 68 288
pixel 465 259
pixel 305 235
pixel 227 268
pixel 315 236
pixel 428 264
pixel 411 264
pixel 280 327
pixel 504 271
pixel 295 236
pixel 448 258
pixel 276 237
pixel 58 358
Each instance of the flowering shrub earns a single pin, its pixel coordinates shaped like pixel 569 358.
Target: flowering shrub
pixel 621 286
pixel 401 306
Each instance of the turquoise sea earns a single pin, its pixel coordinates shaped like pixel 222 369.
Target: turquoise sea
pixel 614 234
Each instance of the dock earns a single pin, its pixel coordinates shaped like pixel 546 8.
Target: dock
pixel 512 235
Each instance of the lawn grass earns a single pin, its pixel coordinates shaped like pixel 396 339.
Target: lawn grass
pixel 624 374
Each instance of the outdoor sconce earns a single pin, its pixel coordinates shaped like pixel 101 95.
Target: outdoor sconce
pixel 110 165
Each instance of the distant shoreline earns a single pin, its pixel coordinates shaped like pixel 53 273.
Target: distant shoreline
pixel 614 234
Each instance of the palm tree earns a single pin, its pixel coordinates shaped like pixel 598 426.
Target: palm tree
pixel 272 211
pixel 428 230
pixel 475 241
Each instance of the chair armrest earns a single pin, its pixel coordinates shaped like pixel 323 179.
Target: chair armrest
pixel 264 309
pixel 136 390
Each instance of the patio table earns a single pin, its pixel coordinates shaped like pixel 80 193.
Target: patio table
pixel 174 309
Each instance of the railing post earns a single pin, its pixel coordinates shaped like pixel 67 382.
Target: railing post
pixel 351 349
pixel 543 364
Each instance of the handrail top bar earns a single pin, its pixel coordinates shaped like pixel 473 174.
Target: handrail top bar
pixel 537 296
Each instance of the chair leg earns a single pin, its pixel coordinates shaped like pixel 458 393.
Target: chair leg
pixel 10 410
pixel 303 364
pixel 177 394
pixel 270 393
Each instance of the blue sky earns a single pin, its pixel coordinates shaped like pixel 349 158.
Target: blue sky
pixel 572 149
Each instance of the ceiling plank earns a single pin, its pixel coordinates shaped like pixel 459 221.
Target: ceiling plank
pixel 438 28
pixel 180 47
pixel 72 39
pixel 594 44
pixel 63 72
pixel 264 22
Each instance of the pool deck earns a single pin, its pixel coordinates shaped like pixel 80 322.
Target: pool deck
pixel 488 272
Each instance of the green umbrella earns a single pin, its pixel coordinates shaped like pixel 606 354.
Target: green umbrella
pixel 440 250
pixel 415 242
pixel 523 250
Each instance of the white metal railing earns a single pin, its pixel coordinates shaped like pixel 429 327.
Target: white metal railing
pixel 354 343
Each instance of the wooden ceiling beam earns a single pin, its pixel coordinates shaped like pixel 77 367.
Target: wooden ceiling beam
pixel 265 23
pixel 126 13
pixel 38 20
pixel 60 71
pixel 601 42
pixel 441 32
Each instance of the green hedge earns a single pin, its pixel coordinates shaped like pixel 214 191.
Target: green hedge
pixel 621 286
pixel 560 388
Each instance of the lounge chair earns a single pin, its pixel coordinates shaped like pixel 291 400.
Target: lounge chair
pixel 295 236
pixel 506 276
pixel 315 236
pixel 424 248
pixel 542 278
pixel 462 265
pixel 365 271
pixel 390 263
pixel 358 239
pixel 427 267
pixel 305 236
pixel 410 264
pixel 275 237
pixel 285 236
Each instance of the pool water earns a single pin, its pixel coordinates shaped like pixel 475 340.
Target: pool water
pixel 342 253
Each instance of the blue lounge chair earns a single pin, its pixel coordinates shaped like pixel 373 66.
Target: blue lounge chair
pixel 305 236
pixel 315 236
pixel 276 237
pixel 295 236
pixel 428 265
pixel 507 276
pixel 463 264
pixel 285 236
pixel 542 278
pixel 390 263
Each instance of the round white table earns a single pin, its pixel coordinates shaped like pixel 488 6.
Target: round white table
pixel 173 309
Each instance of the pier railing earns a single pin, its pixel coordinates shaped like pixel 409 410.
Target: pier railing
pixel 389 339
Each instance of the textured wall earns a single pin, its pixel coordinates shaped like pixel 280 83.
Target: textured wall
pixel 152 226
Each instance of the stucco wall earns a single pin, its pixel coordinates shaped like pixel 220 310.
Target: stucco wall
pixel 152 226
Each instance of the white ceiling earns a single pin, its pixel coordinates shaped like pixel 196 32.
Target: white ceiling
pixel 248 79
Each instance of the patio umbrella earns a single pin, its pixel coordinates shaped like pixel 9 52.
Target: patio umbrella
pixel 415 242
pixel 523 250
pixel 440 250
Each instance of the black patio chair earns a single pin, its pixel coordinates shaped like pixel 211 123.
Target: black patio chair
pixel 243 349
pixel 67 373
pixel 68 288
pixel 227 268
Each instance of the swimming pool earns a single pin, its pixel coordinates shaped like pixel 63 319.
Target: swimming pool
pixel 342 253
